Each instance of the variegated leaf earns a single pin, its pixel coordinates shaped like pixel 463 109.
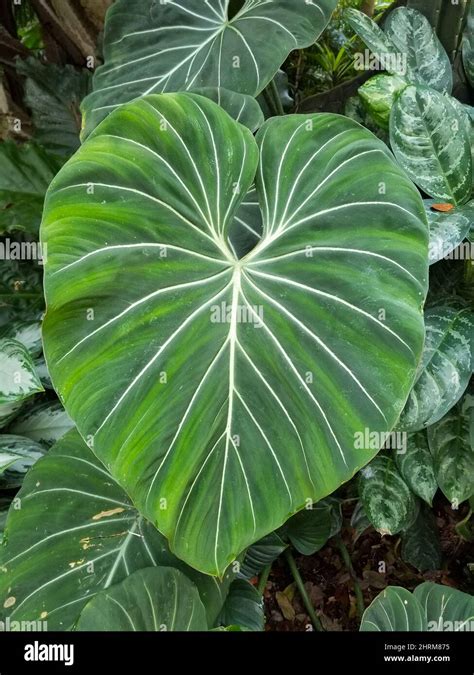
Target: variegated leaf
pixel 18 377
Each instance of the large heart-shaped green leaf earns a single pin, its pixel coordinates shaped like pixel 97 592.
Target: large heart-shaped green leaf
pixel 446 609
pixel 394 609
pixel 445 368
pixel 231 390
pixel 180 45
pixel 159 599
pixel 430 141
pixel 71 533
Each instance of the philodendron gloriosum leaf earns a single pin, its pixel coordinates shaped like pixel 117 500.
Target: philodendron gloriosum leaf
pixel 394 609
pixel 430 141
pixel 190 352
pixel 431 607
pixel 453 453
pixel 18 377
pixel 378 95
pixel 448 229
pixel 387 500
pixel 416 467
pixel 261 554
pixel 186 44
pixel 243 607
pixel 157 599
pixel 241 107
pixel 76 534
pixel 445 368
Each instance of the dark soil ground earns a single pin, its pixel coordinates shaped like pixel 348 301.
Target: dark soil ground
pixel 377 564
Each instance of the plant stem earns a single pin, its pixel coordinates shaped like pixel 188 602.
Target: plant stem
pixel 348 563
pixel 276 97
pixel 304 596
pixel 262 582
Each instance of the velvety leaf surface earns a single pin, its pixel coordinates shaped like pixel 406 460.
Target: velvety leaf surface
pixel 394 609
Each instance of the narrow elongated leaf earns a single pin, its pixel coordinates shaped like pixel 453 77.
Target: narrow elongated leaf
pixel 18 377
pixel 177 45
pixel 453 453
pixel 43 421
pixel 377 41
pixel 428 62
pixel 431 143
pixel 8 412
pixel 153 599
pixel 445 368
pixel 447 229
pixel 26 332
pixel 243 607
pixel 25 173
pixel 378 95
pixel 446 609
pixel 76 534
pixel 394 609
pixel 190 351
pixel 468 47
pixel 421 546
pixel 241 107
pixel 387 499
pixel 417 468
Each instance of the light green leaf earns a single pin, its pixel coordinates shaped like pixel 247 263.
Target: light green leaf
pixel 43 421
pixel 447 229
pixel 18 377
pixel 17 455
pixel 8 412
pixel 26 332
pixel 416 467
pixel 378 95
pixel 431 143
pixel 243 607
pixel 445 368
pixel 387 500
pixel 191 352
pixel 446 609
pixel 177 45
pixel 25 173
pixel 394 609
pixel 76 534
pixel 421 546
pixel 427 60
pixel 54 93
pixel 449 442
pixel 241 107
pixel 155 599
pixel 261 554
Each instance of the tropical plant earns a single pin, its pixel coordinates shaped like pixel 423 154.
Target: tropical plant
pixel 235 320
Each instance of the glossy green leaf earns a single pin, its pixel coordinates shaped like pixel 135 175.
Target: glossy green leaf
pixel 201 350
pixel 54 93
pixel 416 467
pixel 431 143
pixel 243 607
pixel 450 444
pixel 157 599
pixel 261 554
pixel 428 63
pixel 445 368
pixel 447 229
pixel 25 173
pixel 446 609
pixel 378 95
pixel 309 529
pixel 18 377
pixel 76 534
pixel 394 609
pixel 388 501
pixel 42 421
pixel 17 455
pixel 241 107
pixel 421 546
pixel 177 45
